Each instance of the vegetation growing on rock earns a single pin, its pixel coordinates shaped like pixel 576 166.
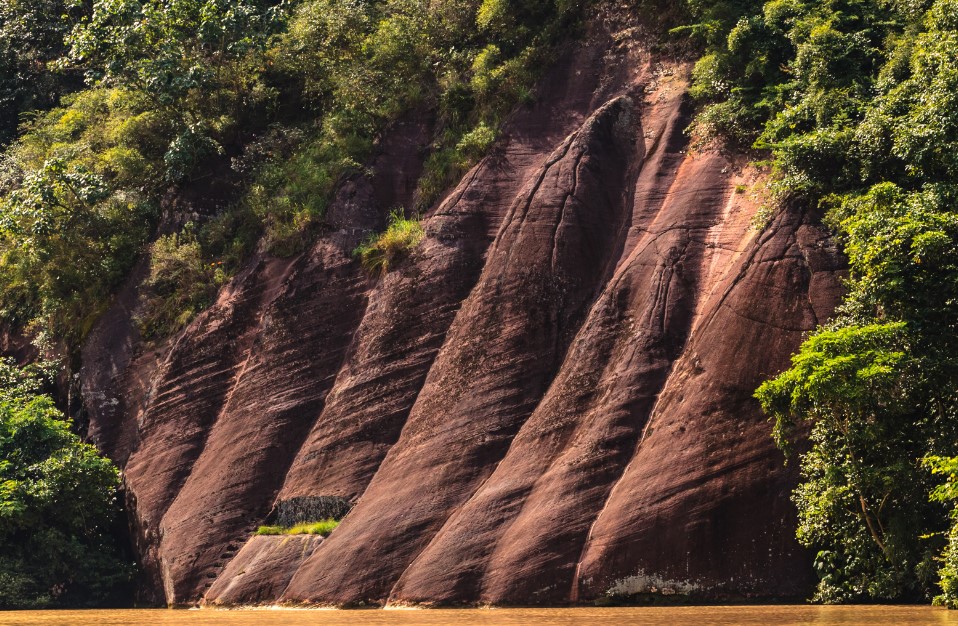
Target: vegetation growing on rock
pixel 380 252
pixel 855 102
pixel 323 528
pixel 277 101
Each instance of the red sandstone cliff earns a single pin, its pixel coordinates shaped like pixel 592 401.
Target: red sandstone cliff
pixel 550 401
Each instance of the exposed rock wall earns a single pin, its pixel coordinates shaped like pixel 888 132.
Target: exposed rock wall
pixel 549 401
pixel 260 571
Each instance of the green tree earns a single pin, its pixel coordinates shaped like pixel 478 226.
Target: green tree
pixel 869 131
pixel 947 493
pixel 169 49
pixel 58 505
pixel 32 34
pixel 197 60
pixel 66 238
pixel 859 501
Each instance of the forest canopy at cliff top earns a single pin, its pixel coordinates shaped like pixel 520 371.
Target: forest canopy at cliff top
pixel 197 130
pixel 224 124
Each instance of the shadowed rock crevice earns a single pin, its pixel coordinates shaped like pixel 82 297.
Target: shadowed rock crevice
pixel 288 513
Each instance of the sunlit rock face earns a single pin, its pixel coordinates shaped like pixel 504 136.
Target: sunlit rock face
pixel 549 401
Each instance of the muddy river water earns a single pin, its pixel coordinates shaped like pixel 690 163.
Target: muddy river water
pixel 672 616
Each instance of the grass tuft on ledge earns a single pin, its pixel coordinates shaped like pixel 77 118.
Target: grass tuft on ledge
pixel 323 528
pixel 381 252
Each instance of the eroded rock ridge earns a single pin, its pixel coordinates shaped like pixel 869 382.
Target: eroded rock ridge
pixel 548 402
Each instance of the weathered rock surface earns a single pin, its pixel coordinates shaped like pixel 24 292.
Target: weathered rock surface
pixel 549 401
pixel 260 571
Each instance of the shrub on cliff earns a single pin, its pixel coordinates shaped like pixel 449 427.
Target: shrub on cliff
pixel 181 283
pixel 381 252
pixel 58 506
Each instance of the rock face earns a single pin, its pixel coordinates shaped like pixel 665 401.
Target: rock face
pixel 548 401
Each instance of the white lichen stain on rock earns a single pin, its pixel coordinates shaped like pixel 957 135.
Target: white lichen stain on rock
pixel 651 583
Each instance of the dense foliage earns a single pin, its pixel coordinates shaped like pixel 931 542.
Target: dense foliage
pixel 235 119
pixel 856 104
pixel 32 39
pixel 58 505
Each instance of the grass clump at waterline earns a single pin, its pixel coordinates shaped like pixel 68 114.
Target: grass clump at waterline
pixel 381 252
pixel 323 528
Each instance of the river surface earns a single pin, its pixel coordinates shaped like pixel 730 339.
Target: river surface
pixel 671 616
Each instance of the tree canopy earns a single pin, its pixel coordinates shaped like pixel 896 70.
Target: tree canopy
pixel 59 514
pixel 855 104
